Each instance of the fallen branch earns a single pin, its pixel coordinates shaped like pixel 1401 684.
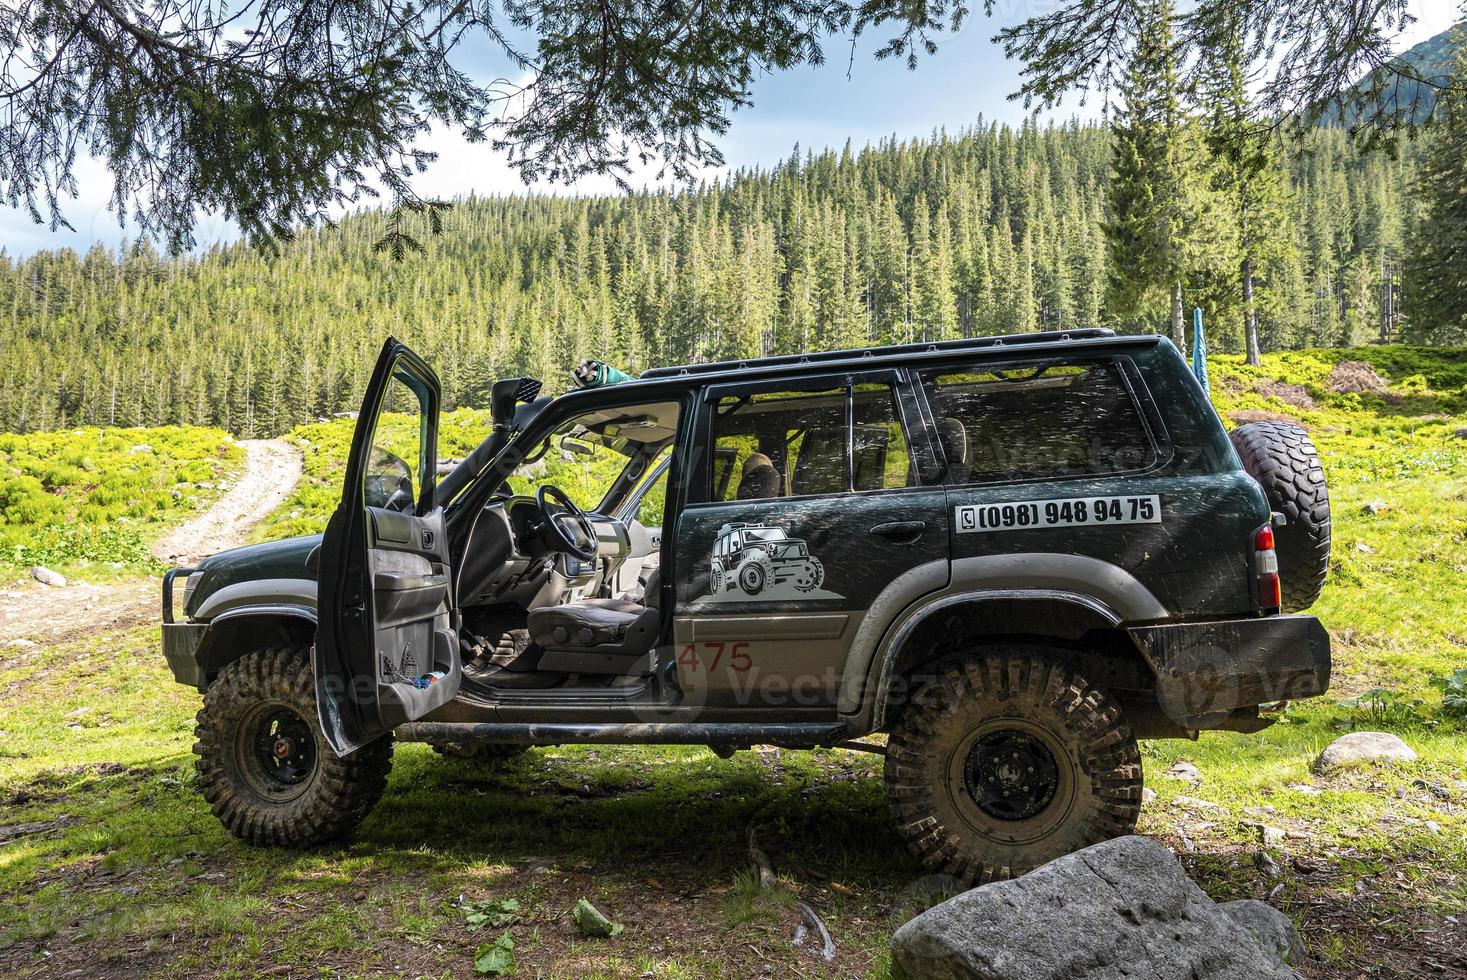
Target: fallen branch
pixel 761 864
pixel 810 919
pixel 813 923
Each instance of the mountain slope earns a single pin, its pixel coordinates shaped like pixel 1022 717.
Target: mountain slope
pixel 1412 100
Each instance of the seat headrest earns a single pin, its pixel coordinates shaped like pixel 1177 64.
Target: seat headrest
pixel 953 437
pixel 760 480
pixel 755 461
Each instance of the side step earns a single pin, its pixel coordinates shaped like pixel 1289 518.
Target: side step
pixel 797 736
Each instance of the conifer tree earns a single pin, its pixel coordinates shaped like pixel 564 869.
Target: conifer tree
pixel 1436 266
pixel 1158 187
pixel 1247 177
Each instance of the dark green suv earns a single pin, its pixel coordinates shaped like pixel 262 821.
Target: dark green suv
pixel 1014 556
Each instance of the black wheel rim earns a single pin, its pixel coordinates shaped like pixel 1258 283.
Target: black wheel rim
pixel 1011 775
pixel 278 751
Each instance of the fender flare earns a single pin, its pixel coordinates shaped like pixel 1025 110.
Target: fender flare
pixel 1029 587
pixel 233 634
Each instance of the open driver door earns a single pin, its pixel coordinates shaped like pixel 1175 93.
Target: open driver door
pixel 386 648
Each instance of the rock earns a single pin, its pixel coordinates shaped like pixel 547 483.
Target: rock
pixel 1433 827
pixel 1184 771
pixel 1460 434
pixel 1273 930
pixel 1193 803
pixel 1271 836
pixel 1264 862
pixel 1123 908
pixel 1440 792
pixel 1304 789
pixel 1148 796
pixel 141 447
pixel 1364 548
pixel 23 644
pixel 1363 748
pixel 47 577
pixel 1375 507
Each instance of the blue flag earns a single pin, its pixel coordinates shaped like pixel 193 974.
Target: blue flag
pixel 1199 349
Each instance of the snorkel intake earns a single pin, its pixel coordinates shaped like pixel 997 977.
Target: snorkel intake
pixel 504 400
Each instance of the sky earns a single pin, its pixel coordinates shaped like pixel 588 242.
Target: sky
pixel 815 107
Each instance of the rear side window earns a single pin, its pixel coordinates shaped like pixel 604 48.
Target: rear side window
pixel 1042 420
pixel 803 443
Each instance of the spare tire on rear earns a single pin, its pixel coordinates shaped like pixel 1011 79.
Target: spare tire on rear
pixel 1282 458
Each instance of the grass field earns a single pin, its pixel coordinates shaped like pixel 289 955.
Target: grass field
pixel 121 869
pixel 90 501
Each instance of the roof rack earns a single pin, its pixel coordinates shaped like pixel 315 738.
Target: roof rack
pixel 970 343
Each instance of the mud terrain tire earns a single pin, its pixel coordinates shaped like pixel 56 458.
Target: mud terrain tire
pixel 263 764
pixel 1282 458
pixel 1005 761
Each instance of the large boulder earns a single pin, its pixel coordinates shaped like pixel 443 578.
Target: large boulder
pixel 1363 749
pixel 1120 909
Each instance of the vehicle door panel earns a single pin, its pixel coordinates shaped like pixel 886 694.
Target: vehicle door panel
pixel 386 650
pixel 770 592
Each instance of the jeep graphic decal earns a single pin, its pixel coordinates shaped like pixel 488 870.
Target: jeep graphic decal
pixel 761 562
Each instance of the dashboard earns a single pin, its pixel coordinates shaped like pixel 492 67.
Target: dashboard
pixel 507 558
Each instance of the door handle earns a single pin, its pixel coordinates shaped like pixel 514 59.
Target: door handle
pixel 900 529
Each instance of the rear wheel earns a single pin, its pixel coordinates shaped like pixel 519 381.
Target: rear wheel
pixel 1006 761
pixel 263 765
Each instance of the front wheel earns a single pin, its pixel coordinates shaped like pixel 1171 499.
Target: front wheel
pixel 1006 761
pixel 263 764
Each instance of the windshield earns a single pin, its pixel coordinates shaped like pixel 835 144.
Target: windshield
pixel 599 457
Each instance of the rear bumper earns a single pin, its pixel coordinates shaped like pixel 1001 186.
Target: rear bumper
pixel 181 650
pixel 1207 671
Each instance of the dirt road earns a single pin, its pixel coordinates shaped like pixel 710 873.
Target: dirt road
pixel 33 613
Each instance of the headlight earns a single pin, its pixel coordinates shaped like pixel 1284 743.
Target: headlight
pixel 190 585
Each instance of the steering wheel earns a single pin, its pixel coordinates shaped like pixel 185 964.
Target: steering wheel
pixel 569 525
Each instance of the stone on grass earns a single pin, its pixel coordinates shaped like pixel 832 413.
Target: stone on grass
pixel 47 577
pixel 1123 908
pixel 1148 796
pixel 1184 771
pixel 1274 931
pixel 1375 507
pixel 1362 749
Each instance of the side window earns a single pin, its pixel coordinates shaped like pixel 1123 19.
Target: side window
pixel 879 448
pixel 1041 420
pixel 652 495
pixel 394 479
pixel 802 443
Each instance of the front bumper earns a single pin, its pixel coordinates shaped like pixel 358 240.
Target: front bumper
pixel 181 640
pixel 1205 672
pixel 181 648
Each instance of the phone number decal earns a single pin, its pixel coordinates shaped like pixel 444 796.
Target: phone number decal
pixel 1070 512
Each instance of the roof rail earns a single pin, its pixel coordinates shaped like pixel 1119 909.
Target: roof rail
pixel 969 343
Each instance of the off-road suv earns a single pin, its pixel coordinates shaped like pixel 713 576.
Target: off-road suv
pixel 1012 556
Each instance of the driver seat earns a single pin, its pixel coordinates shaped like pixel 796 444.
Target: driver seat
pixel 597 636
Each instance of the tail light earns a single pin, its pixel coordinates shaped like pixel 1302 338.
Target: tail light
pixel 1268 591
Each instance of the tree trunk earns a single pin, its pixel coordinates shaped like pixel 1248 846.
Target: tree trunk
pixel 1179 332
pixel 1250 313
